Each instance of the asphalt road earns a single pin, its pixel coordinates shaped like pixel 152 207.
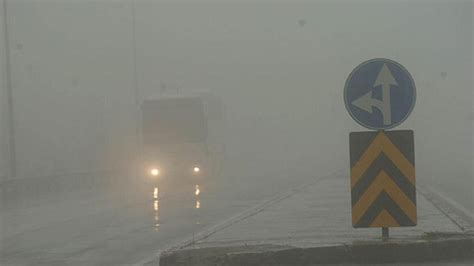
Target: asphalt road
pixel 123 224
pixel 119 225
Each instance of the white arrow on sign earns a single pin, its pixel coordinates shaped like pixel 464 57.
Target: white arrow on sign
pixel 366 102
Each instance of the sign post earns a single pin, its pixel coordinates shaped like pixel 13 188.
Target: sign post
pixel 380 94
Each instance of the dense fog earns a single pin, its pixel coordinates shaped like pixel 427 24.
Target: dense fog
pixel 74 75
pixel 80 69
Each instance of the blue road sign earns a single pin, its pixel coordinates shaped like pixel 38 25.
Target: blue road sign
pixel 379 94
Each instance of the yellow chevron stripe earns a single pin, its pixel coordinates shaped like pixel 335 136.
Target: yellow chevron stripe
pixel 383 183
pixel 384 219
pixel 397 157
pixel 367 158
pixel 382 143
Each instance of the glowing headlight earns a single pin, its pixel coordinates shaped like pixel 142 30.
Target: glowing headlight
pixel 196 169
pixel 154 172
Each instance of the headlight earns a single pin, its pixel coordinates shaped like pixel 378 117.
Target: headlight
pixel 155 172
pixel 196 169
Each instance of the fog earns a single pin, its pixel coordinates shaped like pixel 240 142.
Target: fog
pixel 78 72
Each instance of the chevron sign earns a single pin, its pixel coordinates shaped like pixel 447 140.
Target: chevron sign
pixel 383 188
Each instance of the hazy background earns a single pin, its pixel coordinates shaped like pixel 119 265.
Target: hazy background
pixel 80 69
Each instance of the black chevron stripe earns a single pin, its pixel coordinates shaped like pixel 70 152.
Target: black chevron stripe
pixel 384 202
pixel 359 143
pixel 383 163
pixel 404 141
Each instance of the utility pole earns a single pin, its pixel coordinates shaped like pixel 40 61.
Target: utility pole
pixel 9 93
pixel 138 122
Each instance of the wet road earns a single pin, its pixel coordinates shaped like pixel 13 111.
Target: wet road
pixel 125 223
pixel 119 225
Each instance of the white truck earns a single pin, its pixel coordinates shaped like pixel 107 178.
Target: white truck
pixel 182 137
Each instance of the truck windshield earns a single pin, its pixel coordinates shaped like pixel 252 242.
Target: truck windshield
pixel 174 120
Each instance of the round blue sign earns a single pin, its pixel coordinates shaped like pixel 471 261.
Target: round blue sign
pixel 379 94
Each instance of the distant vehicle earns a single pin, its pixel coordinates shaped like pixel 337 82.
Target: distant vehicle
pixel 182 137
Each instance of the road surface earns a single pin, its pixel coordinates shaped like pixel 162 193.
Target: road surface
pixel 126 223
pixel 120 224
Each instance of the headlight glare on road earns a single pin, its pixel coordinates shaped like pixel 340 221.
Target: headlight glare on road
pixel 196 169
pixel 197 190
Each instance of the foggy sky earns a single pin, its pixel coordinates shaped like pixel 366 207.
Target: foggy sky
pixel 79 68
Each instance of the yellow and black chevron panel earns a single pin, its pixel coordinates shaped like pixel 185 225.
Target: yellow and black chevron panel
pixel 383 187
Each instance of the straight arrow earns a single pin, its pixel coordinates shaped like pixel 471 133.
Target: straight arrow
pixel 366 102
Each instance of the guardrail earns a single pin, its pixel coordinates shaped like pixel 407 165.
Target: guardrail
pixel 36 188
